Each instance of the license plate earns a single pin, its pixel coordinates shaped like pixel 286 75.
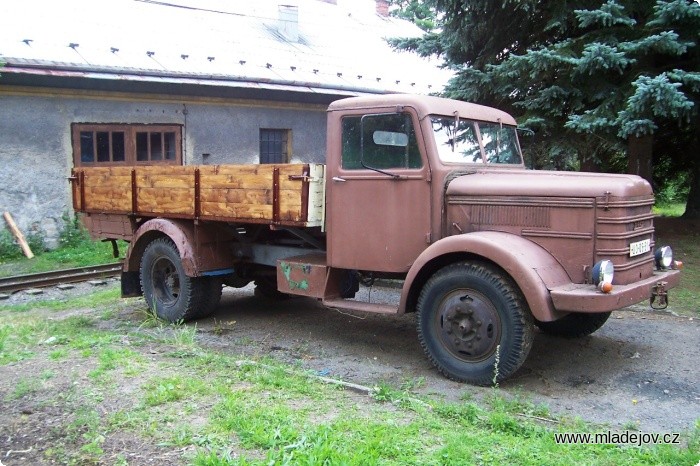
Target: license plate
pixel 640 247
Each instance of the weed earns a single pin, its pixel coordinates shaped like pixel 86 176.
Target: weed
pixel 58 354
pixel 495 366
pixel 182 336
pixel 149 318
pixel 73 233
pixel 110 359
pixel 413 384
pixel 25 387
pixel 221 327
pixel 159 391
pixel 467 414
pixel 4 334
pixel 9 249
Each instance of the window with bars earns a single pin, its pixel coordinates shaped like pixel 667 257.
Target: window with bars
pixel 275 145
pixel 116 144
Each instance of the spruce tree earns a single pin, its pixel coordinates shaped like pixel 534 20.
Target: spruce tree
pixel 605 85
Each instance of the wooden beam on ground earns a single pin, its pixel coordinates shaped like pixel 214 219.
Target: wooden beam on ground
pixel 18 235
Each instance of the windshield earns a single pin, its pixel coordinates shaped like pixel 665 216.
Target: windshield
pixel 457 141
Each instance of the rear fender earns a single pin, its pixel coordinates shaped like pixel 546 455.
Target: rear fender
pixel 530 266
pixel 202 248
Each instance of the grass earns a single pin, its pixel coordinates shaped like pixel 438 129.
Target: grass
pixel 83 254
pixel 675 209
pixel 684 238
pixel 685 300
pixel 168 393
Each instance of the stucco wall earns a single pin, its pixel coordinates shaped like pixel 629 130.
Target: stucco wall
pixel 36 152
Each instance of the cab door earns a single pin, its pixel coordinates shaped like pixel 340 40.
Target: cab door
pixel 378 193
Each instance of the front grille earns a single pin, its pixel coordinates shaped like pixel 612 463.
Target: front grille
pixel 619 223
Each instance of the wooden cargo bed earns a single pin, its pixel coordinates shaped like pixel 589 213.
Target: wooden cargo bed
pixel 282 194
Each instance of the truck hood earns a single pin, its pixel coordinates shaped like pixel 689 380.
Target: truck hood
pixel 548 183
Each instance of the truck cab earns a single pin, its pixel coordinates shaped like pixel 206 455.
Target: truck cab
pixel 426 191
pixel 442 195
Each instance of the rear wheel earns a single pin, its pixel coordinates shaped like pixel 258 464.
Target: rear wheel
pixel 473 323
pixel 574 325
pixel 266 287
pixel 168 291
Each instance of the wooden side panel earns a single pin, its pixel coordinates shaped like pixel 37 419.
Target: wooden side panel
pixel 236 191
pixel 317 195
pixel 165 190
pixel 291 193
pixel 107 189
pixel 256 193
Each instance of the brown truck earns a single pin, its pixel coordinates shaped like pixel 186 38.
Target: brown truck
pixel 427 191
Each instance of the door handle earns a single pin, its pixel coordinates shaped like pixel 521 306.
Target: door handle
pixel 337 178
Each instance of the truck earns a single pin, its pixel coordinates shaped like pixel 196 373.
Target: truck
pixel 431 193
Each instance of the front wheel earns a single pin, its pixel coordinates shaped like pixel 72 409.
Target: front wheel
pixel 168 291
pixel 473 323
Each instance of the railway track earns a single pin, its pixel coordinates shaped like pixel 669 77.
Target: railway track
pixel 58 277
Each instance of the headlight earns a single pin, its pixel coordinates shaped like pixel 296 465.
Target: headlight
pixel 663 257
pixel 602 275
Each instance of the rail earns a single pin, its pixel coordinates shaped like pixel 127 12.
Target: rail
pixel 58 277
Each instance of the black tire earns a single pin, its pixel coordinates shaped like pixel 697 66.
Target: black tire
pixel 574 325
pixel 266 287
pixel 168 291
pixel 474 324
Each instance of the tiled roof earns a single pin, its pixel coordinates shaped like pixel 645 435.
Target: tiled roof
pixel 340 47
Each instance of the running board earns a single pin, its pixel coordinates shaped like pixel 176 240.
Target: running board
pixel 352 305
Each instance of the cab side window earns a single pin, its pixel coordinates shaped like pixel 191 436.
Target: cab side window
pixel 382 141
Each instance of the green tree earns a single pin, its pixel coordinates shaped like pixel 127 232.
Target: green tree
pixel 416 11
pixel 610 85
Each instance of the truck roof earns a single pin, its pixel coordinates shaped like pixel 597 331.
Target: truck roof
pixel 424 106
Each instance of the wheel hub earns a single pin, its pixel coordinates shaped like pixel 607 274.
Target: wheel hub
pixel 469 324
pixel 166 281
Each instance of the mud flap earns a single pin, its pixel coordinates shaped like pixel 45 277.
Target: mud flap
pixel 131 285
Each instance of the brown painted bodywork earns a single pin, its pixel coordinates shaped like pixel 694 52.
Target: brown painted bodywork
pixel 544 229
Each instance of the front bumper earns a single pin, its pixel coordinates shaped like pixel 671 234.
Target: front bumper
pixel 586 298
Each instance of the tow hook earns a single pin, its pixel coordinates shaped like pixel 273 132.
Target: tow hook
pixel 659 291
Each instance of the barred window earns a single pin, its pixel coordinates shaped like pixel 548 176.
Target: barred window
pixel 275 145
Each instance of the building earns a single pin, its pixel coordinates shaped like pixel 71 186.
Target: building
pixel 180 81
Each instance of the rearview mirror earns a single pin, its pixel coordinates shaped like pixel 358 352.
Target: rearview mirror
pixel 390 138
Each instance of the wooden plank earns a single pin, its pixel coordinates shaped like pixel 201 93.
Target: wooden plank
pixel 264 170
pixel 18 235
pixel 116 198
pixel 165 181
pixel 241 211
pixel 246 181
pixel 237 196
pixel 168 170
pixel 163 201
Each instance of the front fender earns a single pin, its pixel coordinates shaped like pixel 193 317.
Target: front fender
pixel 532 267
